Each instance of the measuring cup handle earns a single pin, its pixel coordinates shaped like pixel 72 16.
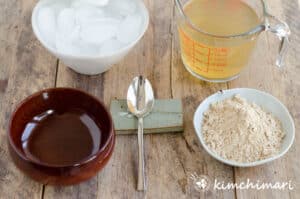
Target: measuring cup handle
pixel 282 31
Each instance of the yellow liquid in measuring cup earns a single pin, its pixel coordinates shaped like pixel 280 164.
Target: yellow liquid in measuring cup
pixel 213 57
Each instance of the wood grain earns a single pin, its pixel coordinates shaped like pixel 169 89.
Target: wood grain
pixel 25 67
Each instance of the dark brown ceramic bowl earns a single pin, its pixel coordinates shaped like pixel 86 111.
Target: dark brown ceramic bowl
pixel 60 99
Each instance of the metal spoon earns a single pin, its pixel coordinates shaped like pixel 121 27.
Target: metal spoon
pixel 140 101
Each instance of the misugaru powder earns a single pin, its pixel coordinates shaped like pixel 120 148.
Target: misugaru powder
pixel 241 131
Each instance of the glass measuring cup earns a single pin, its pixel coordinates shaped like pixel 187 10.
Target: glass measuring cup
pixel 220 58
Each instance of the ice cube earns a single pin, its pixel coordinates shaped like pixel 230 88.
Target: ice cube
pixel 58 6
pixel 87 13
pixel 97 2
pixel 129 29
pixel 47 25
pixel 96 32
pixel 66 43
pixel 110 46
pixel 75 34
pixel 79 3
pixel 68 35
pixel 122 7
pixel 66 21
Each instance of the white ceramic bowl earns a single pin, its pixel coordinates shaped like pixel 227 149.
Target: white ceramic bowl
pixel 267 102
pixel 89 65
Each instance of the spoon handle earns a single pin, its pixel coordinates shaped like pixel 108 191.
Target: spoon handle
pixel 141 175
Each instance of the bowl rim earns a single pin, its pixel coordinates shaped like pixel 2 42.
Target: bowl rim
pixel 82 162
pixel 121 50
pixel 239 164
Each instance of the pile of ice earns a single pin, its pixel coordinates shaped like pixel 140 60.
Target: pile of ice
pixel 89 27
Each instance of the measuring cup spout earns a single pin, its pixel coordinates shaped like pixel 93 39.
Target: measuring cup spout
pixel 282 31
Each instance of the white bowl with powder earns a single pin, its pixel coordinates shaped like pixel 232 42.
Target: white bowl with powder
pixel 264 100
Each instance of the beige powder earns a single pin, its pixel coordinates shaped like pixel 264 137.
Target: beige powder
pixel 241 131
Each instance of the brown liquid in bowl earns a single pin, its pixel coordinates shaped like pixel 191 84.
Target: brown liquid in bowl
pixel 61 139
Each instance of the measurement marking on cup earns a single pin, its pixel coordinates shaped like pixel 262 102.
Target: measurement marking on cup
pixel 208 59
pixel 193 53
pixel 203 58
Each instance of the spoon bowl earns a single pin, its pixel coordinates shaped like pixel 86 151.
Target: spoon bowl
pixel 140 97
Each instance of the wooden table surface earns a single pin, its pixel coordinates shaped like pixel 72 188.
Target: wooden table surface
pixel 26 67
